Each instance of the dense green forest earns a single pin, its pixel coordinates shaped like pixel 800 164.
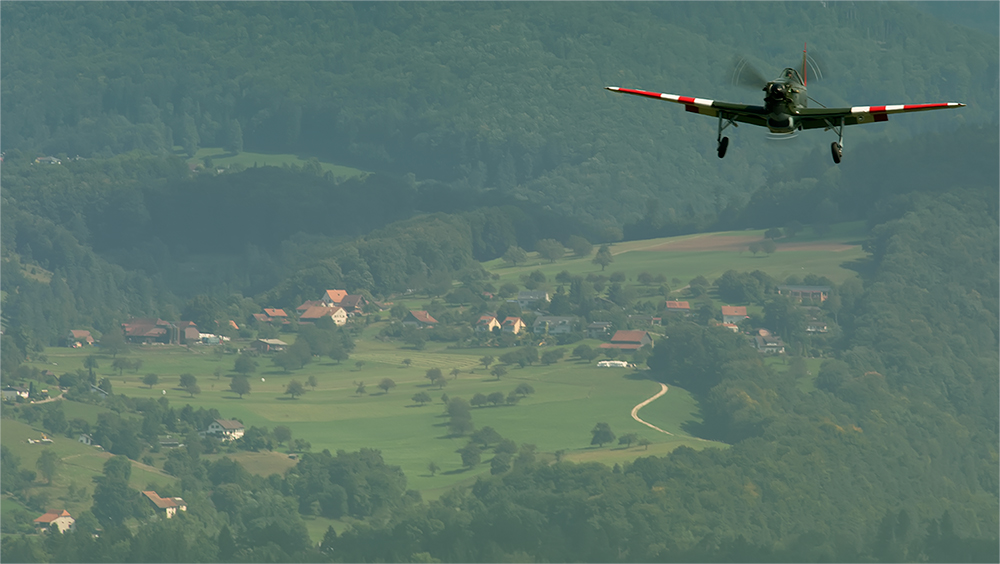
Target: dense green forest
pixel 485 127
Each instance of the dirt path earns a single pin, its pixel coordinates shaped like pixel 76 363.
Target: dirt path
pixel 635 410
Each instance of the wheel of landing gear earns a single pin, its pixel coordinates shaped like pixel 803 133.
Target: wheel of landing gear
pixel 837 151
pixel 723 145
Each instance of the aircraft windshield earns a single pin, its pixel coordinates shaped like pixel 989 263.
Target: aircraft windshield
pixel 792 74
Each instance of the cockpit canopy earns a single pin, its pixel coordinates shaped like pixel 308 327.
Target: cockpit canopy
pixel 792 74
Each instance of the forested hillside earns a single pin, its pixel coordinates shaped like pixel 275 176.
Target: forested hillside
pixel 504 96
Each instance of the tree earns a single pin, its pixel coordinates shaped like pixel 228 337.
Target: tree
pixel 601 434
pixel 90 363
pixel 193 389
pixel 440 382
pixel 471 455
pixel 282 434
pixel 421 398
pixel 627 439
pixel 603 257
pixel 312 383
pixel 486 436
pixel 550 249
pixel 496 398
pixel 486 361
pixel 755 247
pixel 244 365
pixel 120 364
pixel 433 374
pixel 772 233
pixel 500 464
pixel 114 501
pixel 407 362
pixel 478 399
pixel 187 379
pixel 240 385
pixel 644 442
pixel 768 246
pixel 113 343
pixel 295 388
pixel 386 384
pixel 515 255
pixel 552 356
pixel 361 389
pixel 580 246
pixel 498 371
pixel 150 380
pixel 523 389
pixel 47 464
pixel 433 468
pixel 454 373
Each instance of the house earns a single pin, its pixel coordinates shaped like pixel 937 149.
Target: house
pixel 734 314
pixel 732 327
pixel 146 330
pixel 678 307
pixel 419 318
pixel 629 340
pixel 512 325
pixel 527 298
pixel 308 304
pixel 644 320
pixel 95 390
pixel 269 345
pixel 354 304
pixel 816 326
pixel 188 332
pixel 275 314
pixel 337 314
pixel 11 393
pixel 169 505
pixel 487 323
pixel 553 324
pixel 86 439
pixel 766 343
pixel 48 160
pixel 60 520
pixel 333 297
pixel 598 329
pixel 799 293
pixel 226 429
pixel 76 338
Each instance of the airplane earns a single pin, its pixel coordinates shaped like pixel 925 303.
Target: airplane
pixel 785 109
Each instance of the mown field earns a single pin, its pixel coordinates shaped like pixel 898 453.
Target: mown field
pixel 225 159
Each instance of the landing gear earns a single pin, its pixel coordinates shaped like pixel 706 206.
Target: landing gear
pixel 723 145
pixel 724 141
pixel 837 147
pixel 838 152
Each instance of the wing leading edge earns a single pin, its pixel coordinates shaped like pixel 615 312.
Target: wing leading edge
pixel 755 115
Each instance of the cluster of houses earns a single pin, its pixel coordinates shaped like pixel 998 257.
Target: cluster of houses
pixel 61 521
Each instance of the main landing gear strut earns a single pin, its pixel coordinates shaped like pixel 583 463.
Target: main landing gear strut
pixel 837 147
pixel 724 141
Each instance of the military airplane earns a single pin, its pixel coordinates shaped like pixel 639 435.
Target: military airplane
pixel 785 109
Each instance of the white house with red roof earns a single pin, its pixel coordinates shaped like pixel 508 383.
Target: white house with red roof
pixel 734 314
pixel 61 521
pixel 629 340
pixel 333 297
pixel 226 429
pixel 678 307
pixel 512 325
pixel 169 505
pixel 337 314
pixel 487 323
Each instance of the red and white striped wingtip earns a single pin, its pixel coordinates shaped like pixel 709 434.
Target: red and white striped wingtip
pixel 904 108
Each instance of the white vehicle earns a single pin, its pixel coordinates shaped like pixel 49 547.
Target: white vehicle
pixel 612 364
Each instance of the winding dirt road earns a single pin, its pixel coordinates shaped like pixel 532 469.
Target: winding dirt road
pixel 635 410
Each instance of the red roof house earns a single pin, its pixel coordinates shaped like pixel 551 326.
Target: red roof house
pixel 629 340
pixel 420 318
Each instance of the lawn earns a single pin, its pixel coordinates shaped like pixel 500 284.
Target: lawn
pixel 224 159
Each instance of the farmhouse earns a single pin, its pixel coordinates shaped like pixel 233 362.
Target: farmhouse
pixel 269 345
pixel 527 298
pixel 226 429
pixel 146 330
pixel 86 439
pixel 308 304
pixel 598 329
pixel 766 343
pixel 169 505
pixel 553 325
pixel 487 323
pixel 512 325
pixel 75 338
pixel 644 320
pixel 354 304
pixel 678 307
pixel 419 318
pixel 814 293
pixel 333 297
pixel 60 520
pixel 337 314
pixel 11 393
pixel 734 314
pixel 629 340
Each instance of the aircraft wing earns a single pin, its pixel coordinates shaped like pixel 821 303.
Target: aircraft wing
pixel 755 115
pixel 812 118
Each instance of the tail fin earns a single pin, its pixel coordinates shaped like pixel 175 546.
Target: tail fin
pixel 805 64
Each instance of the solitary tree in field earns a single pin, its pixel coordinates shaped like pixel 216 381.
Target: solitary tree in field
pixel 295 388
pixel 498 371
pixel 515 255
pixel 601 434
pixel 433 468
pixel 644 442
pixel 244 365
pixel 90 363
pixel 486 361
pixel 581 247
pixel 550 249
pixel 386 384
pixel 421 398
pixel 150 380
pixel 454 373
pixel 120 364
pixel 768 246
pixel 361 389
pixel 240 385
pixel 440 382
pixel 407 362
pixel 604 256
pixel 433 374
pixel 312 383
pixel 190 384
pixel 754 248
pixel 772 233
pixel 282 434
pixel 524 389
pixel 47 464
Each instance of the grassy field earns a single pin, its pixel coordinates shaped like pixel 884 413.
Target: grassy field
pixel 710 254
pixel 224 159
